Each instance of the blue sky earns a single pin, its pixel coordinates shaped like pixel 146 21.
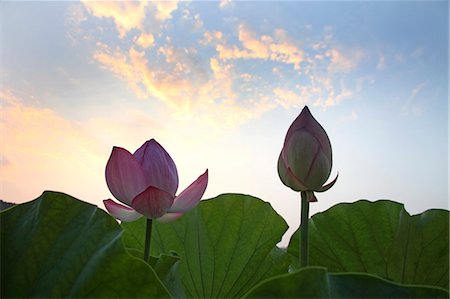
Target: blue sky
pixel 218 84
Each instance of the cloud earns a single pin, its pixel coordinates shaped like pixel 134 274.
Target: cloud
pixel 278 47
pixel 417 53
pixel 145 40
pixel 321 92
pixel 225 3
pixel 381 65
pixel 288 99
pixel 192 21
pixel 132 67
pixel 336 95
pixel 206 99
pixel 410 106
pixel 349 118
pixel 211 37
pixel 340 62
pixel 417 89
pixel 127 15
pixel 206 81
pixel 164 9
pixel 119 63
pixel 45 151
pixel 8 97
pixel 41 149
pixel 322 67
pixel 182 61
pixel 75 16
pixel 223 78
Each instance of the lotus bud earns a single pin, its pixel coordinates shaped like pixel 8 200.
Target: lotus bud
pixel 306 159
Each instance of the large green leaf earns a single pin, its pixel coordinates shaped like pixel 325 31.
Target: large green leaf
pixel 314 282
pixel 58 246
pixel 226 244
pixel 383 239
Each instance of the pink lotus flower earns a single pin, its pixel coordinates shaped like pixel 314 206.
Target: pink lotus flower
pixel 305 160
pixel 146 182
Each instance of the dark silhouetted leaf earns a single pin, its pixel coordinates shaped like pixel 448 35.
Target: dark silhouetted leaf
pixel 314 282
pixel 226 244
pixel 58 246
pixel 383 239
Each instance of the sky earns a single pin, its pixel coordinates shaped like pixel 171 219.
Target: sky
pixel 217 84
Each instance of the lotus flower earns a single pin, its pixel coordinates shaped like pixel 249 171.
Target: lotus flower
pixel 146 182
pixel 305 160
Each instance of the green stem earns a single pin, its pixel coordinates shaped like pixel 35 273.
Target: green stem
pixel 148 238
pixel 304 230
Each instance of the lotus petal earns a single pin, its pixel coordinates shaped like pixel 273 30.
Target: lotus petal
pixel 124 175
pixel 169 217
pixel 158 166
pixel 307 121
pixel 287 176
pixel 190 196
pixel 121 212
pixel 153 202
pixel 328 186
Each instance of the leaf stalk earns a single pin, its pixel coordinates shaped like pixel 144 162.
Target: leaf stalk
pixel 148 238
pixel 304 230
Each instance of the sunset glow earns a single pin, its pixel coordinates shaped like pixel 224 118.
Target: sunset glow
pixel 217 84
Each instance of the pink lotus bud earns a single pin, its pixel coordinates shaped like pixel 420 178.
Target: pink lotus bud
pixel 305 160
pixel 146 183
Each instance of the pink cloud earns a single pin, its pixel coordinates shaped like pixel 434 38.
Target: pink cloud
pixel 127 15
pixel 44 149
pixel 278 47
pixel 340 62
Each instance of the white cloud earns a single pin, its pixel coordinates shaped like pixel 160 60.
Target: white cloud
pixel 340 62
pixel 278 47
pixel 417 53
pixel 381 65
pixel 164 9
pixel 192 21
pixel 127 15
pixel 75 16
pixel 211 87
pixel 288 99
pixel 145 40
pixel 411 106
pixel 210 100
pixel 225 3
pixel 349 118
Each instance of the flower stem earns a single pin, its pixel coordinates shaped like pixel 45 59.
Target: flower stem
pixel 148 238
pixel 304 230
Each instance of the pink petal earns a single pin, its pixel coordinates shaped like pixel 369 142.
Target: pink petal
pixel 153 202
pixel 124 175
pixel 299 154
pixel 307 121
pixel 169 217
pixel 328 186
pixel 190 196
pixel 158 166
pixel 287 176
pixel 121 212
pixel 299 123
